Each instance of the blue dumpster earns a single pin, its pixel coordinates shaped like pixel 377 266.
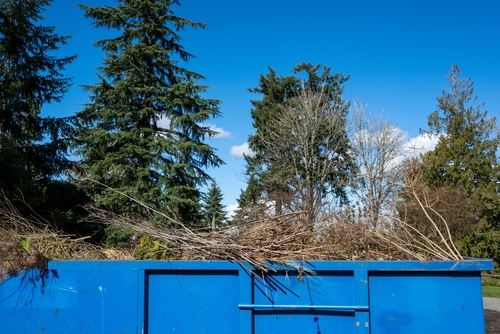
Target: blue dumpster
pixel 225 297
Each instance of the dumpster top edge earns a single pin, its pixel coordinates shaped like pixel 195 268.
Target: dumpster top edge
pixel 469 264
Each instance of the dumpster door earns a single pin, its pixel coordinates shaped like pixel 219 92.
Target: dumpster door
pixel 192 301
pixel 325 302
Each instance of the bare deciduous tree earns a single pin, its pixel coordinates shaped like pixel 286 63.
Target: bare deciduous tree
pixel 378 149
pixel 309 140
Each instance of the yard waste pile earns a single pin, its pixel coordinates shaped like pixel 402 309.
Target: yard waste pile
pixel 28 243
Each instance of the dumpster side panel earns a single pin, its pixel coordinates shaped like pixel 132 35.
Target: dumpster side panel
pixel 192 301
pixel 144 297
pixel 70 301
pixel 426 302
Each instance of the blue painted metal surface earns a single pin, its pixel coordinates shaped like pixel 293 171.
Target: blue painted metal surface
pixel 225 297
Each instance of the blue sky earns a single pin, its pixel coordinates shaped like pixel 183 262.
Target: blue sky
pixel 397 53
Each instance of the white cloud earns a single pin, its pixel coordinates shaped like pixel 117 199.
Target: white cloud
pixel 238 151
pixel 232 208
pixel 221 133
pixel 420 145
pixel 411 147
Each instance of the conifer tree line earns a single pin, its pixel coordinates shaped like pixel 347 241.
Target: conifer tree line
pixel 140 138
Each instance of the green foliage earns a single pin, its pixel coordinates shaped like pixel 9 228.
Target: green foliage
pixel 142 132
pixel 150 248
pixel 116 236
pixel 30 78
pixel 25 243
pixel 449 204
pixel 212 208
pixel 33 149
pixel 269 170
pixel 490 281
pixel 63 205
pixel 459 179
pixel 275 91
pixel 484 245
pixel 465 155
pixel 249 205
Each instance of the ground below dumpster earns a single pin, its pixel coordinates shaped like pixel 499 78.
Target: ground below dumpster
pixel 492 319
pixel 492 315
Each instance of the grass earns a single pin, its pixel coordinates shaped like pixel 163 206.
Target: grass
pixel 491 286
pixel 491 291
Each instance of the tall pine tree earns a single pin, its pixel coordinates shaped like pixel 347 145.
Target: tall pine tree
pixel 33 149
pixel 276 91
pixel 465 156
pixel 274 175
pixel 460 177
pixel 141 134
pixel 212 208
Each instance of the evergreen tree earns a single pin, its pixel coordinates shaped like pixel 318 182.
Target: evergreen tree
pixel 465 156
pixel 33 149
pixel 276 91
pixel 213 210
pixel 141 134
pixel 268 171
